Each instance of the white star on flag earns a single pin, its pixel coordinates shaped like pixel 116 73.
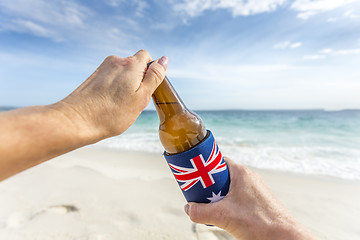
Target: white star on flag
pixel 215 197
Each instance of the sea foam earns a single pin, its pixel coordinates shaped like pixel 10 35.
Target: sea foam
pixel 309 142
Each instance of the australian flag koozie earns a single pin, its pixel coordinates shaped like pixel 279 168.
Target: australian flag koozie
pixel 201 172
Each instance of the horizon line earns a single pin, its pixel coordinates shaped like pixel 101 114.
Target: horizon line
pixel 272 109
pixel 234 109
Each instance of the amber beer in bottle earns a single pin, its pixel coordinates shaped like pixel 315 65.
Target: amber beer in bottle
pixel 190 149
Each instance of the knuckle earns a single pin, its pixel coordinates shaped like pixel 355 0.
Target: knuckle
pixel 142 55
pixel 205 214
pixel 130 61
pixel 194 214
pixel 110 58
pixel 143 51
pixel 243 169
pixel 113 60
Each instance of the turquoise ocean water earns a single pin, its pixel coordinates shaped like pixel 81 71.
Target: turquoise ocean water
pixel 311 142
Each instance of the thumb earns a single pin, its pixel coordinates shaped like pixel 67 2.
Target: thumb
pixel 155 74
pixel 205 213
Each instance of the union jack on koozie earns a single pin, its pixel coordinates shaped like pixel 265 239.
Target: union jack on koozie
pixel 201 172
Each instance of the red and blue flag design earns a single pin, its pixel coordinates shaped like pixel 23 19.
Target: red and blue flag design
pixel 201 172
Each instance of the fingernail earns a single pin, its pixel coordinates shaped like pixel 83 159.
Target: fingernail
pixel 163 61
pixel 186 208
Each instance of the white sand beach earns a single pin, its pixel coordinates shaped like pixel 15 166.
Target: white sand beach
pixel 95 194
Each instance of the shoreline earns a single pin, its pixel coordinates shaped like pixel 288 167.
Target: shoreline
pixel 315 177
pixel 102 193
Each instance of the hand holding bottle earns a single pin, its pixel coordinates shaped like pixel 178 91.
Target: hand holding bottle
pixel 249 211
pixel 112 98
pixel 105 105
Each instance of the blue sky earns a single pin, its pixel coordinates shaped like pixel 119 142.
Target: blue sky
pixel 224 54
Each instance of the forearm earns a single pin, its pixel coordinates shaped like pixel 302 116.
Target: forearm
pixel 105 105
pixel 33 135
pixel 286 228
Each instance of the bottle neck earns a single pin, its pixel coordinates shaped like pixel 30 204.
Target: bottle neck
pixel 167 101
pixel 179 129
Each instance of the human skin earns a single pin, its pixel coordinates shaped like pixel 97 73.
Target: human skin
pixel 105 105
pixel 249 211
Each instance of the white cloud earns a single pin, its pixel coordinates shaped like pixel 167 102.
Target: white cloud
pixel 65 20
pixel 42 18
pixel 194 8
pixel 287 44
pixel 341 51
pixel 313 57
pixel 296 45
pixel 282 45
pixel 306 15
pixel 305 8
pixel 265 86
pixel 117 34
pixel 332 19
pixel 114 3
pixel 308 8
pixel 324 53
pixel 29 26
pixel 140 5
pixel 350 14
pixel 52 12
pixel 228 73
pixel 348 51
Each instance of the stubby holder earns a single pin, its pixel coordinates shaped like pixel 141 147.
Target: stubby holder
pixel 201 171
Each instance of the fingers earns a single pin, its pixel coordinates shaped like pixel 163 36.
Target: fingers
pixel 205 213
pixel 143 56
pixel 155 74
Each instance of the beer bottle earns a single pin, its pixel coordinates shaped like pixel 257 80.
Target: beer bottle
pixel 190 149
